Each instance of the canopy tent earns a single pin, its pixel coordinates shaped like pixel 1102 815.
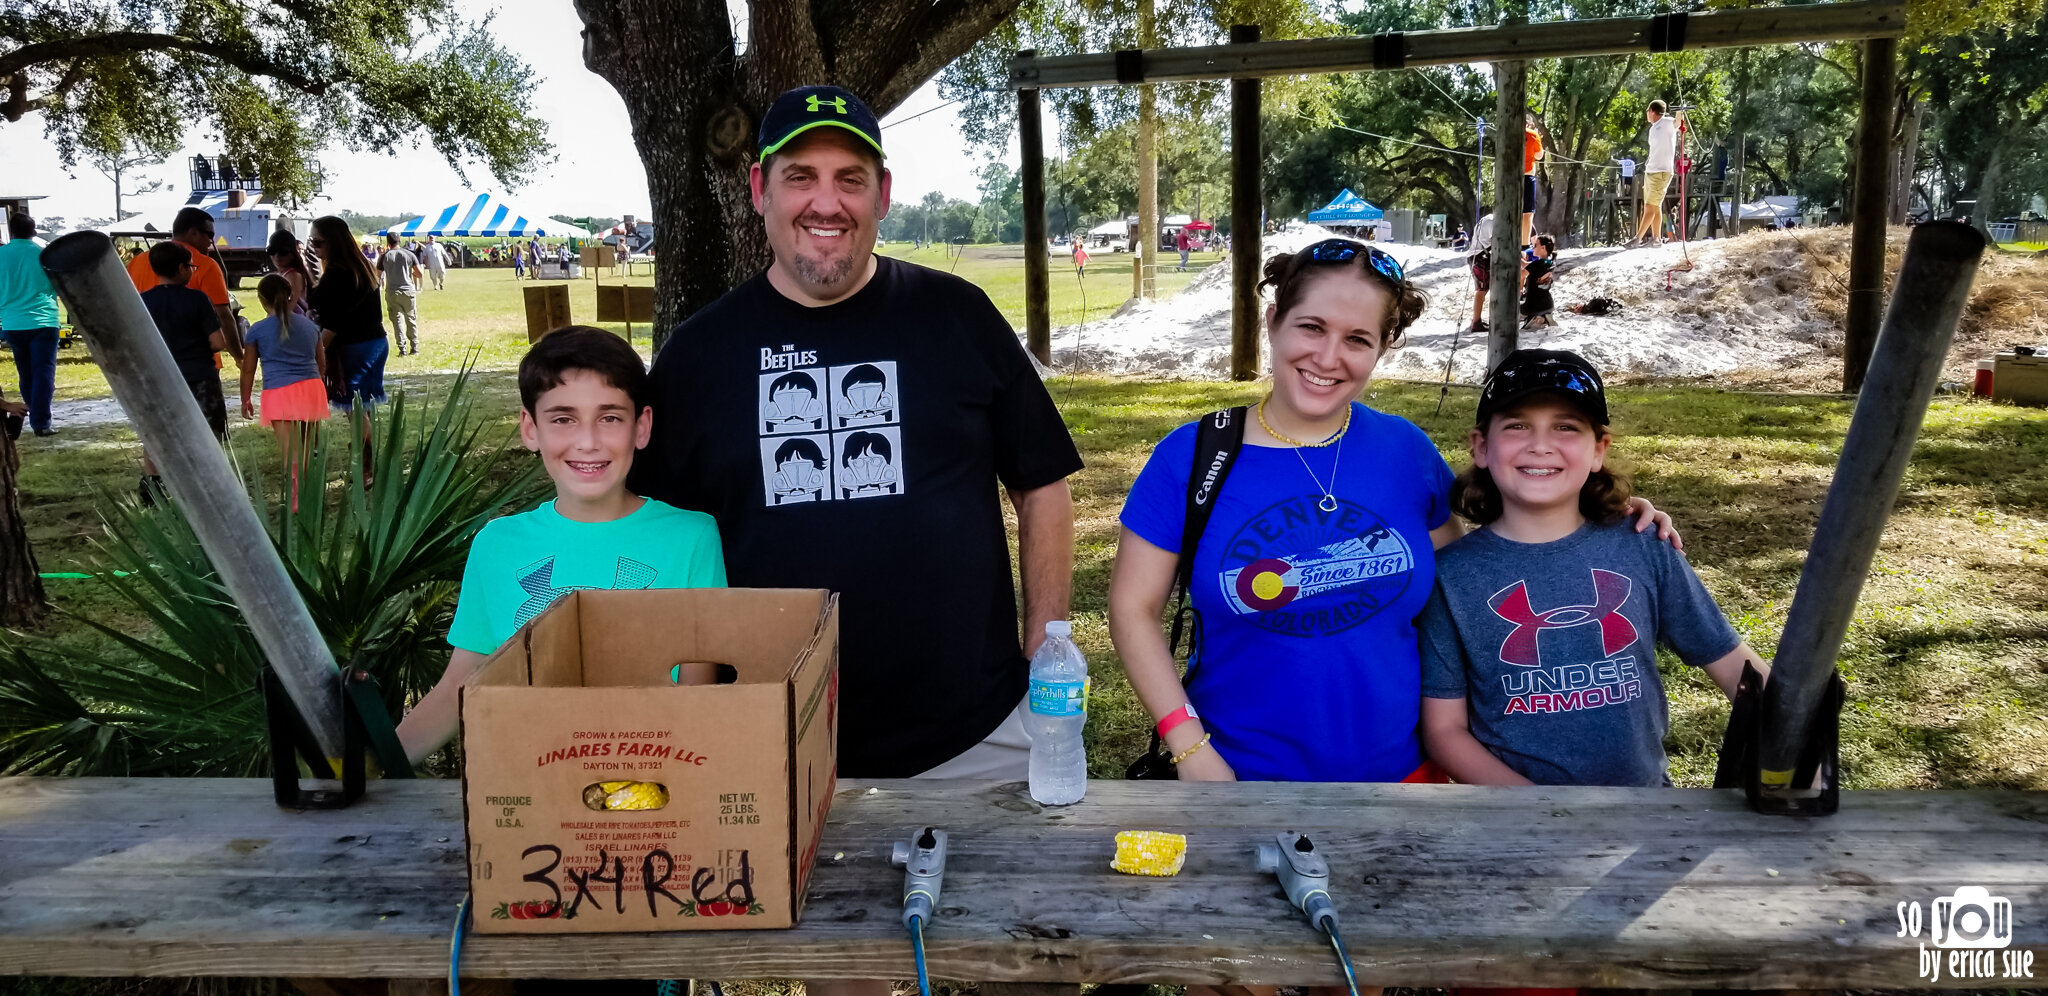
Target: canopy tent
pixel 1198 225
pixel 1113 227
pixel 486 216
pixel 1347 209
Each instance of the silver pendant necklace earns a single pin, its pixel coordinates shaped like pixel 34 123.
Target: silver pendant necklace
pixel 1329 501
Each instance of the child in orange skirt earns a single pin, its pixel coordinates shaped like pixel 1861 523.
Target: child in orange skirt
pixel 294 368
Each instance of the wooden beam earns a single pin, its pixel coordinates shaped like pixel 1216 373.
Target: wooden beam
pixel 1247 217
pixel 1438 885
pixel 1548 40
pixel 1503 306
pixel 1037 274
pixel 1868 210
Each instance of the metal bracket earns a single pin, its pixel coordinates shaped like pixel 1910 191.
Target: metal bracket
pixel 1130 65
pixel 1389 50
pixel 366 726
pixel 1667 32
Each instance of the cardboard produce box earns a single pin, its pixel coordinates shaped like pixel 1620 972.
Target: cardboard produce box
pixel 579 714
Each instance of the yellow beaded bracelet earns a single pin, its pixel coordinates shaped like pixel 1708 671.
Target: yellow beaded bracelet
pixel 1190 752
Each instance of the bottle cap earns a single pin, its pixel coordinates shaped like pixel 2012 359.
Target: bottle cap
pixel 1059 627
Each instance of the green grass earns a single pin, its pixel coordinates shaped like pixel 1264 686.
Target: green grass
pixel 999 270
pixel 1947 658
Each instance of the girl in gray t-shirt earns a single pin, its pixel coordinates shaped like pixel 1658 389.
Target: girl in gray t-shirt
pixel 1539 643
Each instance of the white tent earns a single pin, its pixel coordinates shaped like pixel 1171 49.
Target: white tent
pixel 487 216
pixel 1116 227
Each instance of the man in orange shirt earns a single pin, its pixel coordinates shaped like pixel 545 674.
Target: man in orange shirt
pixel 193 229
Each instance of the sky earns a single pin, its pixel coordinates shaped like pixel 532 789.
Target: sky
pixel 597 171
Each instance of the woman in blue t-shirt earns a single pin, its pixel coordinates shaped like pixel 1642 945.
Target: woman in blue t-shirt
pixel 1316 560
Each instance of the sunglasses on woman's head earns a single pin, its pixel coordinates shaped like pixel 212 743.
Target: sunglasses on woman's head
pixel 1345 250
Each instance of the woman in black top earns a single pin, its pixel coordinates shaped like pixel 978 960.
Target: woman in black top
pixel 344 302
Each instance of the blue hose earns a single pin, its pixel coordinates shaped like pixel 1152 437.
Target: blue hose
pixel 924 982
pixel 455 947
pixel 1343 958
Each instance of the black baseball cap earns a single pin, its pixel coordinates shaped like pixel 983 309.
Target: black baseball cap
pixel 1533 371
pixel 808 107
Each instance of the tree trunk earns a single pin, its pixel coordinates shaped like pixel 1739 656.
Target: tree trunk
pixel 695 104
pixel 1905 155
pixel 1985 210
pixel 21 583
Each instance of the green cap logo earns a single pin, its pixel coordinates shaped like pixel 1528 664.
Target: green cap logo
pixel 814 104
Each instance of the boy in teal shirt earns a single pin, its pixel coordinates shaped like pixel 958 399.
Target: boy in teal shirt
pixel 584 396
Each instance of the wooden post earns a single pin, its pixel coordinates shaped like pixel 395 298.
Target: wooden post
pixel 104 306
pixel 1247 210
pixel 1037 275
pixel 1934 282
pixel 1503 308
pixel 1873 183
pixel 1148 167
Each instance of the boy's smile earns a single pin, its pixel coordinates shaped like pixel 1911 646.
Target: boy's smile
pixel 586 431
pixel 1540 452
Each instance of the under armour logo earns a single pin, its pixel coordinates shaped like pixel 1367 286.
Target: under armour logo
pixel 815 104
pixel 1610 591
pixel 537 580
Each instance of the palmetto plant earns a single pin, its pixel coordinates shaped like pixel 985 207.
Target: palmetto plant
pixel 378 569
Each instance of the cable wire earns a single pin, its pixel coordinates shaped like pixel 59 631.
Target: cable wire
pixel 924 982
pixel 455 947
pixel 1343 957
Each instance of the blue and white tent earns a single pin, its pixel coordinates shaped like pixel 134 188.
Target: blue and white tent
pixel 1347 209
pixel 488 217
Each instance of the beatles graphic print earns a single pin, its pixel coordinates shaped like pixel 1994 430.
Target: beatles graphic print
pixel 1294 552
pixel 828 433
pixel 1610 679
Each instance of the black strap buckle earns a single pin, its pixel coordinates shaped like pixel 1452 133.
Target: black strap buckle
pixel 1667 32
pixel 1389 50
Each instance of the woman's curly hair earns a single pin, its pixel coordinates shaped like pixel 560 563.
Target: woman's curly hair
pixel 1288 274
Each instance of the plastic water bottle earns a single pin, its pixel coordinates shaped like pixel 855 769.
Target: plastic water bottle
pixel 1059 695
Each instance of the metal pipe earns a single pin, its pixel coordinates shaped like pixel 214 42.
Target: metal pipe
pixel 1247 217
pixel 89 277
pixel 1934 282
pixel 1037 268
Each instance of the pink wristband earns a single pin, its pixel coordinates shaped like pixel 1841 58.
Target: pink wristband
pixel 1175 718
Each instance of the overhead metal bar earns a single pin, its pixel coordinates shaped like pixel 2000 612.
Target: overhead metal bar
pixel 1504 43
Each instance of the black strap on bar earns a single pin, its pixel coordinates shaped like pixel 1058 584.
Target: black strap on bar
pixel 366 726
pixel 1130 65
pixel 1820 759
pixel 1389 50
pixel 1667 32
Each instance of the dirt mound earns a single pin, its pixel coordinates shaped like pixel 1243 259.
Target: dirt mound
pixel 1764 309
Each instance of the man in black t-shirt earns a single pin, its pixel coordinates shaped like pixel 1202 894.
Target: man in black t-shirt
pixel 847 418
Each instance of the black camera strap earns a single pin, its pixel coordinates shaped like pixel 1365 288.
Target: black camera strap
pixel 1218 438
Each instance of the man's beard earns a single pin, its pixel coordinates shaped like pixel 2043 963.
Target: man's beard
pixel 822 273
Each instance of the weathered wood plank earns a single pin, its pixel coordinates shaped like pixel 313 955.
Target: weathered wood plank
pixel 1438 885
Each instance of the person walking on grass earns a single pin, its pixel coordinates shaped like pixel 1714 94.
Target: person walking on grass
pixel 433 254
pixel 518 262
pixel 399 271
pixel 193 228
pixel 1080 259
pixel 1658 171
pixel 345 304
pixel 186 320
pixel 28 319
pixel 289 349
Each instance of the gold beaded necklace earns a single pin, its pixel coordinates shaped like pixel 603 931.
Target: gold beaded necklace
pixel 1260 410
